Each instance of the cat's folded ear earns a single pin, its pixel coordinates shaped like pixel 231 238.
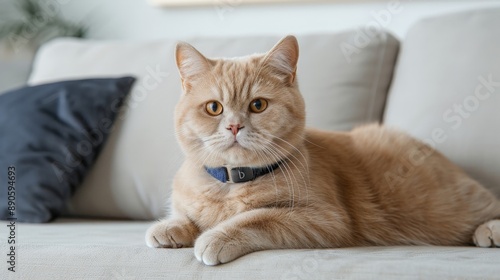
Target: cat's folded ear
pixel 191 63
pixel 282 59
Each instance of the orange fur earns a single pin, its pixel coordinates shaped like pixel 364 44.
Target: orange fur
pixel 370 186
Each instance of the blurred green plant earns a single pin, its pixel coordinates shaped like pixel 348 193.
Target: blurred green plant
pixel 38 23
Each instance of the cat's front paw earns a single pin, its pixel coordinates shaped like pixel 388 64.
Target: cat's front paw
pixel 216 247
pixel 170 234
pixel 488 234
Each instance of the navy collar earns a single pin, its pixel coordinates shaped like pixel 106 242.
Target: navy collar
pixel 227 174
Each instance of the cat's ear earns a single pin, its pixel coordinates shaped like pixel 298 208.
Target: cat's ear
pixel 282 59
pixel 191 64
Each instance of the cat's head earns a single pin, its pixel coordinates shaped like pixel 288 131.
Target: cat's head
pixel 244 111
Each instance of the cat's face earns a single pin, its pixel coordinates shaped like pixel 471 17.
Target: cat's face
pixel 244 111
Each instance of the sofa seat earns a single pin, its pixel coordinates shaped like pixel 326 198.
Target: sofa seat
pixel 112 249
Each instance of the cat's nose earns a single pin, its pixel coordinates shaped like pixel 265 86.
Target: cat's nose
pixel 235 128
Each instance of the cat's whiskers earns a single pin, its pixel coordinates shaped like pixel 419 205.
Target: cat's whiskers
pixel 207 149
pixel 288 177
pixel 304 163
pixel 305 179
pixel 285 170
pixel 303 166
pixel 255 138
pixel 200 161
pixel 283 154
pixel 215 142
pixel 304 138
pixel 292 146
pixel 280 152
pixel 263 156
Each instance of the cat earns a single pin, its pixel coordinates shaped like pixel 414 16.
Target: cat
pixel 254 178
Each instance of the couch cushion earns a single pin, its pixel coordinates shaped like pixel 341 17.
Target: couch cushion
pixel 51 136
pixel 92 249
pixel 446 90
pixel 15 66
pixel 343 81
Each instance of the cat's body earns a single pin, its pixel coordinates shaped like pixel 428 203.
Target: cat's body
pixel 371 186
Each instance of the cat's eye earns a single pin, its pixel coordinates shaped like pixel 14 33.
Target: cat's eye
pixel 214 108
pixel 258 105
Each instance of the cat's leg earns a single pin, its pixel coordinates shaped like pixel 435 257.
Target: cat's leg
pixel 172 233
pixel 270 228
pixel 488 234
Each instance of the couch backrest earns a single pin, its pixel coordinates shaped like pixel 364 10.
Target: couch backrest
pixel 446 90
pixel 344 79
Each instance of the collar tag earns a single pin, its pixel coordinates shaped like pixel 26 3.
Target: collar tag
pixel 229 174
pixel 240 174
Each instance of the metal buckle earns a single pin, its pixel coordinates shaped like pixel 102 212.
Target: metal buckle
pixel 239 174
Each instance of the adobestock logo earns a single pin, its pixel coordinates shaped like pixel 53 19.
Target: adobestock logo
pixel 48 15
pixel 84 151
pixel 471 103
pixel 154 78
pixel 306 269
pixel 224 6
pixel 77 156
pixel 372 30
pixel 455 115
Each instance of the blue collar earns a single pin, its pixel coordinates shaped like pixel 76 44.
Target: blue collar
pixel 239 174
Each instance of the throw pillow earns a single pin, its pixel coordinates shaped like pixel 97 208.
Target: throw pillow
pixel 50 135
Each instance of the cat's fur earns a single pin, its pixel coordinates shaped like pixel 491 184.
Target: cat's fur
pixel 371 186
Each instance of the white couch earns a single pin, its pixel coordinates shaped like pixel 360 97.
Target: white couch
pixel 440 84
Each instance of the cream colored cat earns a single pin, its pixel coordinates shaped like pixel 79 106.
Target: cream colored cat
pixel 243 119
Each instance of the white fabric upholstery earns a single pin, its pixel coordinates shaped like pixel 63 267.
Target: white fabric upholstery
pixel 132 177
pixel 86 249
pixel 446 62
pixel 15 66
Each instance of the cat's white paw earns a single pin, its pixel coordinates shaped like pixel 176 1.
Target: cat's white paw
pixel 216 247
pixel 169 234
pixel 488 234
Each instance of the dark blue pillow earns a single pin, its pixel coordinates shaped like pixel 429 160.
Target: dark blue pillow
pixel 50 135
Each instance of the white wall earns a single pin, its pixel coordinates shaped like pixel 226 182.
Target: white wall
pixel 138 20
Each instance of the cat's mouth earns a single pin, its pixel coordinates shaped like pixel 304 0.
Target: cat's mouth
pixel 235 144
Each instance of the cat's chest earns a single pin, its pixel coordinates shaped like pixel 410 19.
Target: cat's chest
pixel 212 206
